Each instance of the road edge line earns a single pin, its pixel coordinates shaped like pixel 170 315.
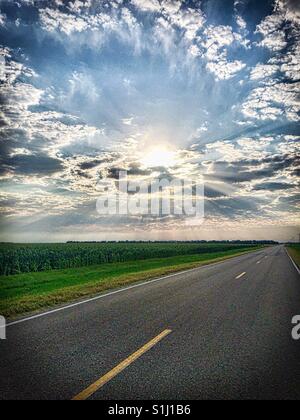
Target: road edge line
pixel 293 262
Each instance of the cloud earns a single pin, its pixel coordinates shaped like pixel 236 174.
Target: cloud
pixel 32 139
pixel 53 20
pixel 127 121
pixel 91 164
pixel 94 23
pixel 275 41
pixel 2 19
pixel 291 8
pixel 290 62
pixel 241 23
pixel 147 5
pixel 273 186
pixel 274 101
pixel 190 20
pixel 10 70
pixel 218 40
pixel 247 171
pixel 271 23
pixel 225 70
pixel 274 28
pixel 90 87
pixel 40 165
pixel 218 37
pixel 262 71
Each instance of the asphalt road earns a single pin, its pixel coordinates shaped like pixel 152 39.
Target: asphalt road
pixel 231 338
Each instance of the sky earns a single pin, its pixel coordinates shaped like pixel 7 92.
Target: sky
pixel 186 89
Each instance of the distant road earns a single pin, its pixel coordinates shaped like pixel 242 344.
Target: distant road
pixel 217 332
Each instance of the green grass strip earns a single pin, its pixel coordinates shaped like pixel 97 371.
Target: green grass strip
pixel 27 293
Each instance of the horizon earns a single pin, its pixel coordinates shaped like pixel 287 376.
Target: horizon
pixel 266 241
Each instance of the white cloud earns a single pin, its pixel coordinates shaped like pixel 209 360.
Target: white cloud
pixel 9 69
pixel 48 132
pixel 218 39
pixel 82 84
pixel 291 9
pixel 147 5
pixel 262 71
pixel 94 27
pixel 223 151
pixel 290 62
pixel 171 6
pixel 2 19
pixel 53 20
pixel 271 23
pixel 19 95
pixel 202 129
pixel 190 20
pixel 127 121
pixel 225 70
pixel 289 145
pixel 77 5
pixel 275 41
pixel 256 148
pixel 274 27
pixel 273 101
pixel 241 22
pixel 195 51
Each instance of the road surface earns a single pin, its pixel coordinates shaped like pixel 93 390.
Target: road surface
pixel 217 332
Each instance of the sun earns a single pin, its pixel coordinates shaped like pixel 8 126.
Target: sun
pixel 159 157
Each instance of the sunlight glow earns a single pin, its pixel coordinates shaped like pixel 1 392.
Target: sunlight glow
pixel 159 157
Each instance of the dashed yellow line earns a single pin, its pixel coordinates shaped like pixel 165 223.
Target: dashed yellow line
pixel 84 395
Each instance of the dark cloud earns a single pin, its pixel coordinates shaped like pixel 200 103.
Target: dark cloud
pixel 132 171
pixel 211 192
pixel 293 199
pixel 114 173
pixel 80 173
pixel 91 164
pixel 273 186
pixel 244 170
pixel 8 202
pixel 293 5
pixel 232 207
pixel 136 171
pixel 296 172
pixel 31 165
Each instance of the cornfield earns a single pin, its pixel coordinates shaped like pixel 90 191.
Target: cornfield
pixel 25 258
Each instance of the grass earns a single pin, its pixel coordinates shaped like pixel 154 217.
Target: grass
pixel 26 293
pixel 28 258
pixel 294 251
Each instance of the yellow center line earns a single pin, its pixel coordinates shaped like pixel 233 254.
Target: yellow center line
pixel 84 395
pixel 241 275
